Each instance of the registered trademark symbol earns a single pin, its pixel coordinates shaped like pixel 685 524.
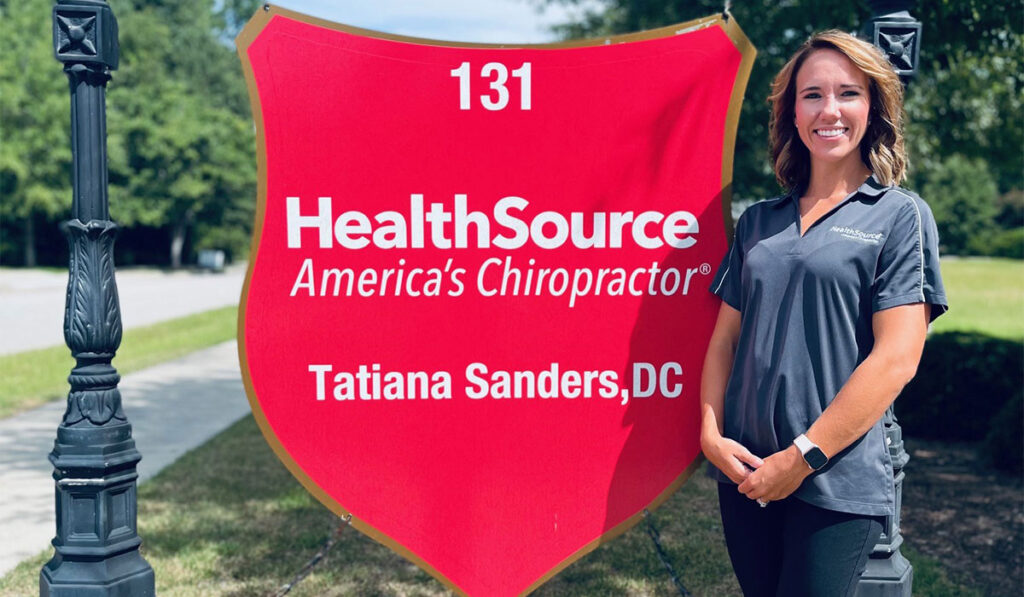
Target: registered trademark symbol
pixel 705 269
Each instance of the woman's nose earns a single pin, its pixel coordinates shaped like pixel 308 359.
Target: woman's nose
pixel 831 107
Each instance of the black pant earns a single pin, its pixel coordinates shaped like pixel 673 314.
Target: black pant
pixel 793 549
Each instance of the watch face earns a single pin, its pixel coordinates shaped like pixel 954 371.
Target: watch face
pixel 816 458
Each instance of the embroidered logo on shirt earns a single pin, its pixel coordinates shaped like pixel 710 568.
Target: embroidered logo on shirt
pixel 854 234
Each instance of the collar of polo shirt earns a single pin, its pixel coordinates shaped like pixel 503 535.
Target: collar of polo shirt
pixel 871 187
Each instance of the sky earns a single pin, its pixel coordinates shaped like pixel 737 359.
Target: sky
pixel 487 21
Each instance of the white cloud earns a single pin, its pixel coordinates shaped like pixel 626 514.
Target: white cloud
pixel 490 21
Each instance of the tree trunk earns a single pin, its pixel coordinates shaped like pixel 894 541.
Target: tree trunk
pixel 30 241
pixel 178 240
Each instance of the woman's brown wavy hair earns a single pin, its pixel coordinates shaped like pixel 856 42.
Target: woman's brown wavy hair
pixel 882 149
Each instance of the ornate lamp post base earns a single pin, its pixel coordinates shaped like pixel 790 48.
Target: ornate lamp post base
pixel 97 547
pixel 888 573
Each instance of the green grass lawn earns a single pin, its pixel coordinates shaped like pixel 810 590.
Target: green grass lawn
pixel 28 379
pixel 229 520
pixel 985 295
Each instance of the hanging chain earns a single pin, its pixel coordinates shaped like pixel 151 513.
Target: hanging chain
pixel 655 536
pixel 318 557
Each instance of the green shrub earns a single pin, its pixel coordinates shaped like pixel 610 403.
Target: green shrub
pixel 962 195
pixel 1001 243
pixel 963 380
pixel 1004 445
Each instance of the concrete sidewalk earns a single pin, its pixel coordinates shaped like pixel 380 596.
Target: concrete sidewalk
pixel 173 408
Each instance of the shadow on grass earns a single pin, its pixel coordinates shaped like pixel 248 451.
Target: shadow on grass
pixel 229 519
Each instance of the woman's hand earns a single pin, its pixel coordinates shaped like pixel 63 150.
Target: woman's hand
pixel 779 476
pixel 730 457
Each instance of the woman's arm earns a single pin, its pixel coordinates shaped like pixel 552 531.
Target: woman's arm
pixel 863 399
pixel 729 456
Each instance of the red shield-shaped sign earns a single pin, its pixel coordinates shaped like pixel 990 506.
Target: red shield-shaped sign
pixel 477 303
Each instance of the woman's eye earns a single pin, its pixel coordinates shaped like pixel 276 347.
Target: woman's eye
pixel 851 93
pixel 812 96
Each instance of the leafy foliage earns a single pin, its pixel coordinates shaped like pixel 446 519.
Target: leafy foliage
pixel 962 195
pixel 1004 243
pixel 971 377
pixel 967 99
pixel 972 392
pixel 180 139
pixel 35 149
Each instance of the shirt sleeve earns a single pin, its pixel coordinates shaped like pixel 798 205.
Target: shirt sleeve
pixel 908 267
pixel 727 283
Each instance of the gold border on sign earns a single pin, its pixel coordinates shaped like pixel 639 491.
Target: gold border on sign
pixel 249 34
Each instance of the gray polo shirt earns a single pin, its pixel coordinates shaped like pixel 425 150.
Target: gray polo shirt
pixel 806 305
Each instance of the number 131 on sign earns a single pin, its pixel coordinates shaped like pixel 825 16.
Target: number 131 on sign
pixel 496 74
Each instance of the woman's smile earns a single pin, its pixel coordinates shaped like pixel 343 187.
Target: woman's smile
pixel 831 133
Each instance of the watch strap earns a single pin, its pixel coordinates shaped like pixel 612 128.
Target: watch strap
pixel 803 444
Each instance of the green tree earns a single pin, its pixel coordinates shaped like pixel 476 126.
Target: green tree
pixel 180 138
pixel 184 158
pixel 962 195
pixel 967 99
pixel 186 161
pixel 35 153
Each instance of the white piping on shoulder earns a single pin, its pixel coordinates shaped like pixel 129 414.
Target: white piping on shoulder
pixel 920 239
pixel 735 239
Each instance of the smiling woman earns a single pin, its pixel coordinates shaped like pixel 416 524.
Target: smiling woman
pixel 827 293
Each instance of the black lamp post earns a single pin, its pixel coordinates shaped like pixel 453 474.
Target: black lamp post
pixel 888 573
pixel 896 33
pixel 94 456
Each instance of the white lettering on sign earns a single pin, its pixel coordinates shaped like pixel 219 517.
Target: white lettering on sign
pixel 371 383
pixel 552 382
pixel 647 380
pixel 496 75
pixel 495 277
pixel 507 227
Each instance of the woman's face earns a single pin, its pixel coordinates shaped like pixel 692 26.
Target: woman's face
pixel 832 105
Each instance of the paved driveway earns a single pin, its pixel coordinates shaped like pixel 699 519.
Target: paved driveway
pixel 32 301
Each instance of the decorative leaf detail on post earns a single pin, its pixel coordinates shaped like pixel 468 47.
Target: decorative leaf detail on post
pixel 92 324
pixel 98 407
pixel 92 319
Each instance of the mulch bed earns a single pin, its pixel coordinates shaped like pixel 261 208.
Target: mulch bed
pixel 969 517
